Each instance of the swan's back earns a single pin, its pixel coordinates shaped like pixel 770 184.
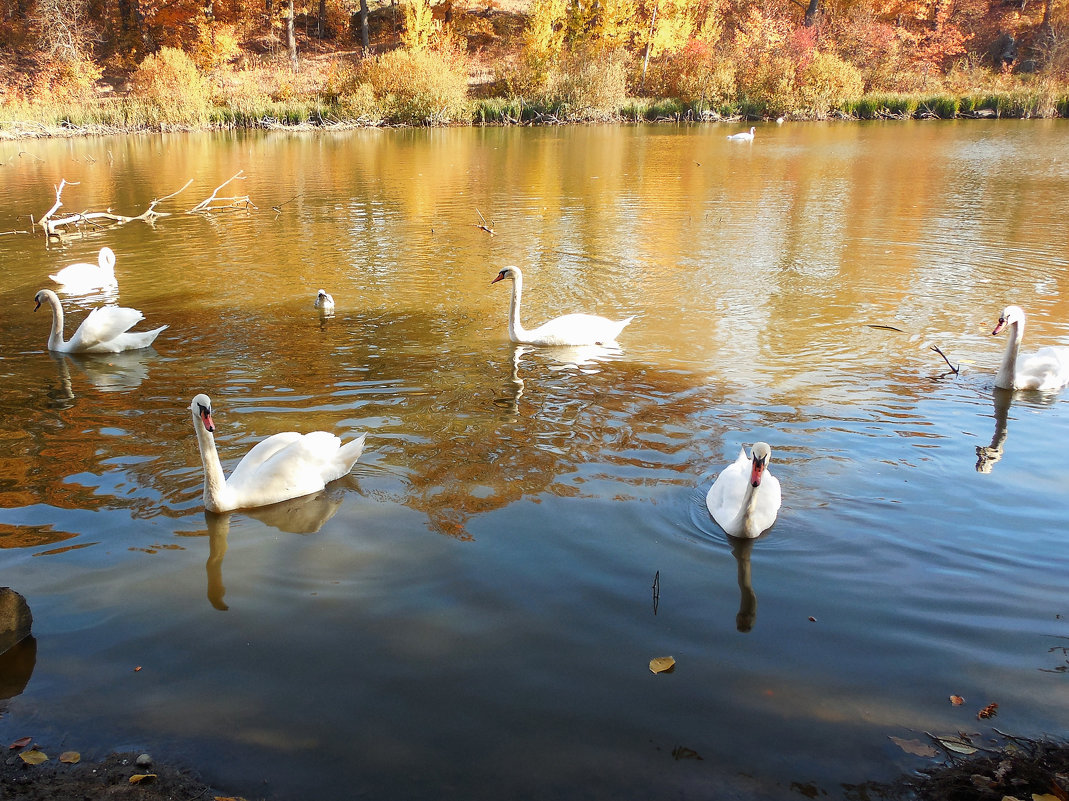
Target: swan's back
pixel 289 465
pixel 577 329
pixel 106 330
pixel 1047 368
pixel 83 276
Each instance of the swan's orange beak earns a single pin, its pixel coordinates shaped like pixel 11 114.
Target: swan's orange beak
pixel 37 305
pixel 1000 326
pixel 500 277
pixel 206 418
pixel 757 473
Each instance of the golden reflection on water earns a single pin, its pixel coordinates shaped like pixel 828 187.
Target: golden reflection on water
pixel 754 273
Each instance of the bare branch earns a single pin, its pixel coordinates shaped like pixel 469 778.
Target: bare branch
pixel 231 202
pixel 945 359
pixel 488 228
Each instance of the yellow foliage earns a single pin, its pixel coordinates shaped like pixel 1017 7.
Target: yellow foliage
pixel 170 82
pixel 544 34
pixel 827 82
pixel 419 25
pixel 217 44
pixel 423 87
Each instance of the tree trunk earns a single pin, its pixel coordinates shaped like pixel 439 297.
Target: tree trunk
pixel 649 43
pixel 365 34
pixel 291 37
pixel 811 12
pixel 322 19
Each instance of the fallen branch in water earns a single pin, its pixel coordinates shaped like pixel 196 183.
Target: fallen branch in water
pixel 53 227
pixel 278 208
pixel 230 202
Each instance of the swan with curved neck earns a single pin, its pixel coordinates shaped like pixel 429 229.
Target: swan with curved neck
pixel 83 276
pixel 105 330
pixel 745 497
pixel 745 136
pixel 571 329
pixel 281 467
pixel 1047 368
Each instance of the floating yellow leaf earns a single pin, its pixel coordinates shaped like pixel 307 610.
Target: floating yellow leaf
pixel 1044 797
pixel 957 700
pixel 70 757
pixel 662 664
pixel 137 778
pixel 34 757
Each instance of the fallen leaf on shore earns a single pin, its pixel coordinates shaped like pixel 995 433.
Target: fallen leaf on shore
pixel 662 664
pixel 957 700
pixel 915 747
pixel 22 742
pixel 70 757
pixel 34 757
pixel 137 778
pixel 988 711
pixel 956 745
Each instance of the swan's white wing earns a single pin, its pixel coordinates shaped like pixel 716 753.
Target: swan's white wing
pixel 1047 368
pixel 84 276
pixel 725 497
pixel 577 329
pixel 289 465
pixel 260 453
pixel 103 324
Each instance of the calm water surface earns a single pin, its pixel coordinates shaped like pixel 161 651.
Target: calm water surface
pixel 472 612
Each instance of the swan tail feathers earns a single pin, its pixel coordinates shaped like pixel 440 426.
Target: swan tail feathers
pixel 350 452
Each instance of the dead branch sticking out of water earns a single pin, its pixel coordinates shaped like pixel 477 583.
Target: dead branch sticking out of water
pixel 229 203
pixel 278 208
pixel 57 227
pixel 488 228
pixel 945 359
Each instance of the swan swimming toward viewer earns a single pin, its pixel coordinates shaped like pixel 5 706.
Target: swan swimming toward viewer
pixel 105 330
pixel 571 329
pixel 324 302
pixel 745 497
pixel 82 276
pixel 281 467
pixel 1047 368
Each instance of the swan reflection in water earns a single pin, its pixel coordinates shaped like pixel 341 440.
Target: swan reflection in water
pixel 581 358
pixel 987 455
pixel 107 372
pixel 304 515
pixel 741 549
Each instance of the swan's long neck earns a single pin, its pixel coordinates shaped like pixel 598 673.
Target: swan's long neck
pixel 55 339
pixel 516 330
pixel 214 480
pixel 749 505
pixel 1007 370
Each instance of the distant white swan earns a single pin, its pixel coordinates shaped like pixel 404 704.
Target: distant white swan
pixel 745 497
pixel 743 137
pixel 324 302
pixel 279 468
pixel 82 276
pixel 1047 368
pixel 571 329
pixel 105 330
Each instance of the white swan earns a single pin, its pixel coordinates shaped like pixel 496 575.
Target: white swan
pixel 744 137
pixel 1047 368
pixel 105 330
pixel 571 329
pixel 324 302
pixel 745 497
pixel 82 276
pixel 281 467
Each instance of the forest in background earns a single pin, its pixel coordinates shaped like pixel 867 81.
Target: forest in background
pixel 78 65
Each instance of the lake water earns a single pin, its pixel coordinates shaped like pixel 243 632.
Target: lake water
pixel 471 614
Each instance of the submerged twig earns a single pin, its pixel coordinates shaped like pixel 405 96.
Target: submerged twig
pixel 886 328
pixel 278 208
pixel 656 590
